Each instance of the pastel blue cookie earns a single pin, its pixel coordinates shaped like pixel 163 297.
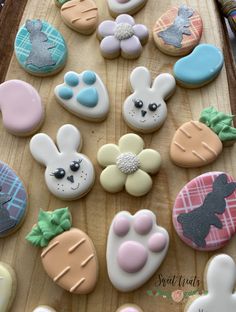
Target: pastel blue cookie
pixel 200 67
pixel 40 49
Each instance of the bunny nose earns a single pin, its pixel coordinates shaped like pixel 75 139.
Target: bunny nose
pixel 71 179
pixel 143 112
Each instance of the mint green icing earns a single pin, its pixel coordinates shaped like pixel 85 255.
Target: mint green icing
pixel 219 122
pixel 50 224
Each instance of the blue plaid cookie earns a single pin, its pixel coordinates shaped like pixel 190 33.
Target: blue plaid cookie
pixel 40 49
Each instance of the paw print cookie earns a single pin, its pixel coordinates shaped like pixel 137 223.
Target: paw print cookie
pixel 204 210
pixel 7 286
pixel 131 7
pixel 136 247
pixel 145 109
pixel 84 95
pixel 220 283
pixel 68 254
pixel 128 165
pixel 44 309
pixel 69 174
pixel 129 308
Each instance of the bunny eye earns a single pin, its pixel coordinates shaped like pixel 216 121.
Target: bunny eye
pixel 138 103
pixel 153 107
pixel 59 173
pixel 75 165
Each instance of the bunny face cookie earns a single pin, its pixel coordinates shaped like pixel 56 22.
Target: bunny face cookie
pixel 7 286
pixel 69 175
pixel 145 109
pixel 220 282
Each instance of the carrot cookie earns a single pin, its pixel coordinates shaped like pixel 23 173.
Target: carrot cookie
pixel 68 254
pixel 178 31
pixel 129 308
pixel 131 7
pixel 7 286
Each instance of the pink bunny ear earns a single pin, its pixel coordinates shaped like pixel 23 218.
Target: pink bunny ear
pixel 38 25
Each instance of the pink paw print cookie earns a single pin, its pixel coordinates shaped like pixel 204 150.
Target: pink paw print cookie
pixel 129 308
pixel 136 247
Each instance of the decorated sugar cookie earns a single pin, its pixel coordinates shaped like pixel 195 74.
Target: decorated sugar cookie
pixel 145 109
pixel 198 143
pixel 136 247
pixel 59 3
pixel 128 165
pixel 204 211
pixel 84 95
pixel 44 309
pixel 80 15
pixel 220 283
pixel 21 107
pixel 69 174
pixel 131 7
pixel 40 49
pixel 178 30
pixel 7 286
pixel 129 308
pixel 200 67
pixel 68 254
pixel 122 37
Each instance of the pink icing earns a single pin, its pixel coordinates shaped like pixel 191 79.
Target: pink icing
pixel 122 1
pixel 143 224
pixel 157 242
pixel 129 309
pixel 21 107
pixel 121 226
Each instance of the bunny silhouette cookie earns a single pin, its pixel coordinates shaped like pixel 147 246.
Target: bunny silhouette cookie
pixel 220 278
pixel 145 109
pixel 7 286
pixel 69 175
pixel 40 49
pixel 204 210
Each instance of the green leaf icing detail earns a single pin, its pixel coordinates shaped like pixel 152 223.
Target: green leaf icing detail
pixel 219 122
pixel 50 224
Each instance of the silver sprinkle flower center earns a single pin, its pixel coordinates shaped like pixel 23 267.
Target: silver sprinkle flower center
pixel 123 31
pixel 127 163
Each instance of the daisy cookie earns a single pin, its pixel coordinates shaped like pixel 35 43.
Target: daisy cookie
pixel 8 285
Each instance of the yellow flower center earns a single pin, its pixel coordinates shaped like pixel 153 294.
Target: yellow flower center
pixel 127 163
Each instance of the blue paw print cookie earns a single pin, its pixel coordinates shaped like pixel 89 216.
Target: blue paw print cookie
pixel 84 95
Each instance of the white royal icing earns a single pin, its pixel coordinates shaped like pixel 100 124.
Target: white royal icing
pixel 44 309
pixel 125 6
pixel 6 285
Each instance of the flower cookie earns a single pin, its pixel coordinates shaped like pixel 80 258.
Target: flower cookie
pixel 69 175
pixel 21 107
pixel 178 31
pixel 68 254
pixel 40 49
pixel 80 15
pixel 122 37
pixel 128 165
pixel 8 285
pixel 199 143
pixel 129 308
pixel 84 95
pixel 204 211
pixel 136 247
pixel 131 7
pixel 220 282
pixel 200 67
pixel 145 109
pixel 44 309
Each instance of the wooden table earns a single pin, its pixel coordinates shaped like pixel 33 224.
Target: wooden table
pixel 94 213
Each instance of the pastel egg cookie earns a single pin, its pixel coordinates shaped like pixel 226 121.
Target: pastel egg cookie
pixel 131 7
pixel 122 37
pixel 80 15
pixel 128 165
pixel 40 49
pixel 68 254
pixel 84 95
pixel 199 143
pixel 136 247
pixel 220 284
pixel 44 309
pixel 200 67
pixel 204 211
pixel 21 107
pixel 13 201
pixel 145 109
pixel 129 308
pixel 69 175
pixel 178 30
pixel 8 285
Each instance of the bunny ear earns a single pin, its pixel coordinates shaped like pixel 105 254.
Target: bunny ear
pixel 38 25
pixel 140 78
pixel 43 149
pixel 29 25
pixel 164 85
pixel 68 139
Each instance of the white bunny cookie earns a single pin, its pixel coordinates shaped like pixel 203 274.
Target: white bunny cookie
pixel 7 286
pixel 221 280
pixel 145 109
pixel 69 175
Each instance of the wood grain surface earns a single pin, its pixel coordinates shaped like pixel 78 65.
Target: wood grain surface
pixel 94 213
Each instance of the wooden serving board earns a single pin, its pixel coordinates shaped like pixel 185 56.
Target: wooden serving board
pixel 94 213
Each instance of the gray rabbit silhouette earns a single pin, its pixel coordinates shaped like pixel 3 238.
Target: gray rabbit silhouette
pixel 6 221
pixel 40 55
pixel 197 223
pixel 173 35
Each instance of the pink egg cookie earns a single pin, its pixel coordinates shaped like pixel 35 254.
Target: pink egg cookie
pixel 204 213
pixel 21 107
pixel 129 308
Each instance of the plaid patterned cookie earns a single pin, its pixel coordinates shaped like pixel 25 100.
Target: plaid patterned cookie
pixel 40 49
pixel 178 31
pixel 204 213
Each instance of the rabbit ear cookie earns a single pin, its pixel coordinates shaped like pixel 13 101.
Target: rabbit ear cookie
pixel 7 286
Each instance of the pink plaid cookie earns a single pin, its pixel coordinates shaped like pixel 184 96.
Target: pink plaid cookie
pixel 204 213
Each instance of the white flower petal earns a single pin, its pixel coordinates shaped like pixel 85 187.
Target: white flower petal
pixel 107 154
pixel 131 143
pixel 150 161
pixel 138 184
pixel 112 179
